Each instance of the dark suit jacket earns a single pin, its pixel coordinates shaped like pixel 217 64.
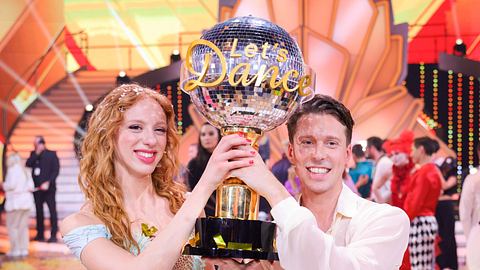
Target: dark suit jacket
pixel 49 167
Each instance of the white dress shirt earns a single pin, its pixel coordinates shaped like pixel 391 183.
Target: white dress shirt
pixel 363 235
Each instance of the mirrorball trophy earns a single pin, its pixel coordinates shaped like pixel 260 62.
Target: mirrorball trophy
pixel 245 75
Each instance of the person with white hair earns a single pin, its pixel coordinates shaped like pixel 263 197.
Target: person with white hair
pixel 18 188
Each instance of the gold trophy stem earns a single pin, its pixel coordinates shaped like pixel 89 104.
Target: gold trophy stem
pixel 234 198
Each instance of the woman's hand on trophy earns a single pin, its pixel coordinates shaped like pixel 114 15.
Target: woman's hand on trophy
pixel 262 180
pixel 231 153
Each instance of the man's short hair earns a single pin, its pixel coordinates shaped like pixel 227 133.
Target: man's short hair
pixel 375 142
pixel 430 146
pixel 41 139
pixel 322 104
pixel 357 150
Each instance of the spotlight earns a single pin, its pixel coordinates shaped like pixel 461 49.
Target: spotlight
pixel 89 108
pixel 460 49
pixel 175 56
pixel 122 78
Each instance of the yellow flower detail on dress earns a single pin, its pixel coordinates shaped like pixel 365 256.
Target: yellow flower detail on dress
pixel 148 231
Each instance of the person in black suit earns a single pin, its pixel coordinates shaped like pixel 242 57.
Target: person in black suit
pixel 45 168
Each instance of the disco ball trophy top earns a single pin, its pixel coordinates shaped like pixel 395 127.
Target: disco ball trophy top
pixel 245 75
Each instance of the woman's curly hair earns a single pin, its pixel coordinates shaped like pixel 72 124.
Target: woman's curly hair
pixel 97 177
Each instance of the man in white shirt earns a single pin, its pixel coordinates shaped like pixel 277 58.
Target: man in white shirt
pixel 470 216
pixel 382 174
pixel 331 227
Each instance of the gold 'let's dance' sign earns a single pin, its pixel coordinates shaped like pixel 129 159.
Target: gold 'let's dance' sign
pixel 240 74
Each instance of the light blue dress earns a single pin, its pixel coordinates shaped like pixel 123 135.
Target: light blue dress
pixel 78 238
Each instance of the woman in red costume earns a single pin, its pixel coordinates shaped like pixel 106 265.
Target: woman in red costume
pixel 399 152
pixel 420 203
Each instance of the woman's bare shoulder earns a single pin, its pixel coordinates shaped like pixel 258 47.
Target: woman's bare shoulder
pixel 84 217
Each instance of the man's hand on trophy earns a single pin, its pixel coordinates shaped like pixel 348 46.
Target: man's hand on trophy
pixel 229 154
pixel 262 180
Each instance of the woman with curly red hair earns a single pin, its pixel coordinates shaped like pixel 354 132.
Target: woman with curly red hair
pixel 135 215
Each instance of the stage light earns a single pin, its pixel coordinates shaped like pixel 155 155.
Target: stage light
pixel 89 108
pixel 175 56
pixel 460 49
pixel 122 78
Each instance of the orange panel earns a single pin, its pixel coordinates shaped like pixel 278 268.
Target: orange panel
pixel 376 50
pixel 257 8
pixel 371 104
pixel 353 22
pixel 319 15
pixel 287 14
pixel 329 62
pixel 290 7
pixel 383 121
pixel 409 116
pixel 391 68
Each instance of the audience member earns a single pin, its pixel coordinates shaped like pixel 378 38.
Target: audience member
pixel 420 203
pixel 45 168
pixel 18 187
pixel 207 141
pixel 445 215
pixel 381 190
pixel 361 174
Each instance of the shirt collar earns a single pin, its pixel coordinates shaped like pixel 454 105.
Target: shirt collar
pixel 346 204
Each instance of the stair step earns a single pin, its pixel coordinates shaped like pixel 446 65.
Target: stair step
pixel 64 162
pixel 70 170
pixel 99 73
pixel 73 108
pixel 69 198
pixel 68 180
pixel 68 188
pixel 35 125
pixel 87 88
pixel 74 94
pixel 55 118
pixel 70 100
pixel 25 141
pixel 58 146
pixel 63 154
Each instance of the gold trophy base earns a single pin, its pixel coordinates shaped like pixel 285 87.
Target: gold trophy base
pixel 233 238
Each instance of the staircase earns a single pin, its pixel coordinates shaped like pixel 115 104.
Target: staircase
pixel 59 131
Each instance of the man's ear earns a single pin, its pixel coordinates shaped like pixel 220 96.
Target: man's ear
pixel 290 154
pixel 348 156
